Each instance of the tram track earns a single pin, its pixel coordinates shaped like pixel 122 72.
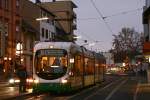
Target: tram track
pixel 86 94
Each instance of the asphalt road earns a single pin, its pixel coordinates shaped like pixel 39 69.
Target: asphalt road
pixel 116 88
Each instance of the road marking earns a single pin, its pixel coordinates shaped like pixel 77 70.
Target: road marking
pixel 114 90
pixel 136 92
pixel 101 89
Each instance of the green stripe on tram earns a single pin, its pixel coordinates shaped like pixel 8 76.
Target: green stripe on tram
pixel 56 87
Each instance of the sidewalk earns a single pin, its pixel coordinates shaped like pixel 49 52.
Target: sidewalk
pixel 8 92
pixel 143 92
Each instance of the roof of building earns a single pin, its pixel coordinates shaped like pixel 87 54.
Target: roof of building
pixel 74 5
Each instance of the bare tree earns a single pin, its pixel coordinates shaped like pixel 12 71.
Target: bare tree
pixel 128 42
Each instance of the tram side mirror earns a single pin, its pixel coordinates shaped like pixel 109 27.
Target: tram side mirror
pixel 71 60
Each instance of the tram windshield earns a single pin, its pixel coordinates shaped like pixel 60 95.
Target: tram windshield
pixel 50 63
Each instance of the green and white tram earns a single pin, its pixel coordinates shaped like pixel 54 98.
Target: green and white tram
pixel 65 66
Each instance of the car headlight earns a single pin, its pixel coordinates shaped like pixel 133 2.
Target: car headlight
pixel 11 81
pixel 17 81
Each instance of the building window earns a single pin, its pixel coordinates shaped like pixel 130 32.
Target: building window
pixel 31 44
pixel 44 14
pixel 6 4
pixel 25 43
pixel 17 26
pixel 0 3
pixel 6 26
pixel 17 3
pixel 42 32
pixel 52 35
pixel 47 34
pixel 53 22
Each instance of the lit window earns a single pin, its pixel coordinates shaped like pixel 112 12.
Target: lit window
pixel 17 3
pixel 17 28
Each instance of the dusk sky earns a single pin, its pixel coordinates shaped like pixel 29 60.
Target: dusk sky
pixel 91 27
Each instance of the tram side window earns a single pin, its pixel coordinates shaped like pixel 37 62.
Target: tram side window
pixel 89 66
pixel 91 69
pixel 78 65
pixel 101 68
pixel 97 68
pixel 86 66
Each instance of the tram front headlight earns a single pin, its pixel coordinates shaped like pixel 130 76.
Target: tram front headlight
pixel 64 81
pixel 36 81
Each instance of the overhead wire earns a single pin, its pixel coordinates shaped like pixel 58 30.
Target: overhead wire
pixel 116 14
pixel 103 18
pixel 124 12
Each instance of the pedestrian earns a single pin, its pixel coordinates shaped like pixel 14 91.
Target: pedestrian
pixel 22 74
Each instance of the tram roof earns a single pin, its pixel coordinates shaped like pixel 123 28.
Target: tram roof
pixel 69 46
pixel 62 45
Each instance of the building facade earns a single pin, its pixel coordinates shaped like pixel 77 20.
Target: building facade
pixel 19 29
pixel 9 32
pixel 146 24
pixel 109 58
pixel 65 16
pixel 34 29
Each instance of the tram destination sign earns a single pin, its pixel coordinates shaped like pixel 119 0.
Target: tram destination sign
pixel 53 52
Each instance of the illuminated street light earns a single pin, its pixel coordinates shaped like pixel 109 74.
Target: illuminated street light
pixel 77 37
pixel 9 58
pixel 5 58
pixel 43 18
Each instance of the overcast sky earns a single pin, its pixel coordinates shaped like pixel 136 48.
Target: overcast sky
pixel 92 27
